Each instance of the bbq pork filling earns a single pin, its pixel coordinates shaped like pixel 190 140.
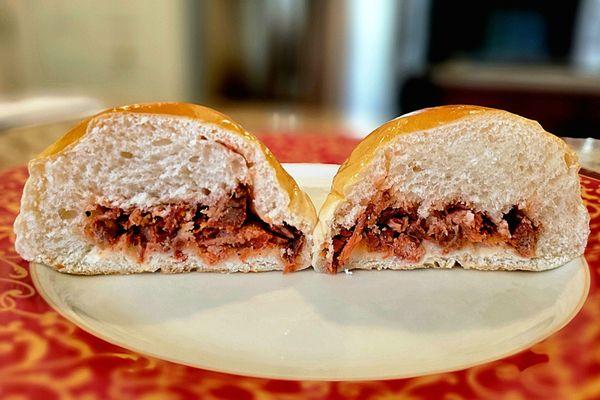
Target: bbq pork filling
pixel 400 231
pixel 228 228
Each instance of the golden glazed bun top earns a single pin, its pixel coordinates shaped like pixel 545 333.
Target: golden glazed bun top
pixel 420 120
pixel 299 201
pixel 204 114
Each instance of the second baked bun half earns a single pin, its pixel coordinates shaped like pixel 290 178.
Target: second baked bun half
pixel 168 187
pixel 454 186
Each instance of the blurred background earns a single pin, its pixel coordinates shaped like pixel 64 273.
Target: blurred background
pixel 320 66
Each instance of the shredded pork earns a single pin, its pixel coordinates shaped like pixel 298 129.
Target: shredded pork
pixel 215 233
pixel 400 231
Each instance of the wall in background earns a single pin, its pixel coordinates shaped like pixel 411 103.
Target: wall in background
pixel 118 51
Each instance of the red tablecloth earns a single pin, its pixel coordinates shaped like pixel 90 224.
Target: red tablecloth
pixel 43 356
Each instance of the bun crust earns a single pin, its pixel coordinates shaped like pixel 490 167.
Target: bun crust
pixel 381 160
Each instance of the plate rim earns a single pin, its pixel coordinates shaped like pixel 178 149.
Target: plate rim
pixel 80 323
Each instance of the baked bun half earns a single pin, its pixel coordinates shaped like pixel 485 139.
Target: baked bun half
pixel 168 187
pixel 454 186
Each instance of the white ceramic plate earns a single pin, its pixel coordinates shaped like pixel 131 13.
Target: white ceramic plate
pixel 368 325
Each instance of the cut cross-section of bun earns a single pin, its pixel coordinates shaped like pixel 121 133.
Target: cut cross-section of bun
pixel 454 186
pixel 167 186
